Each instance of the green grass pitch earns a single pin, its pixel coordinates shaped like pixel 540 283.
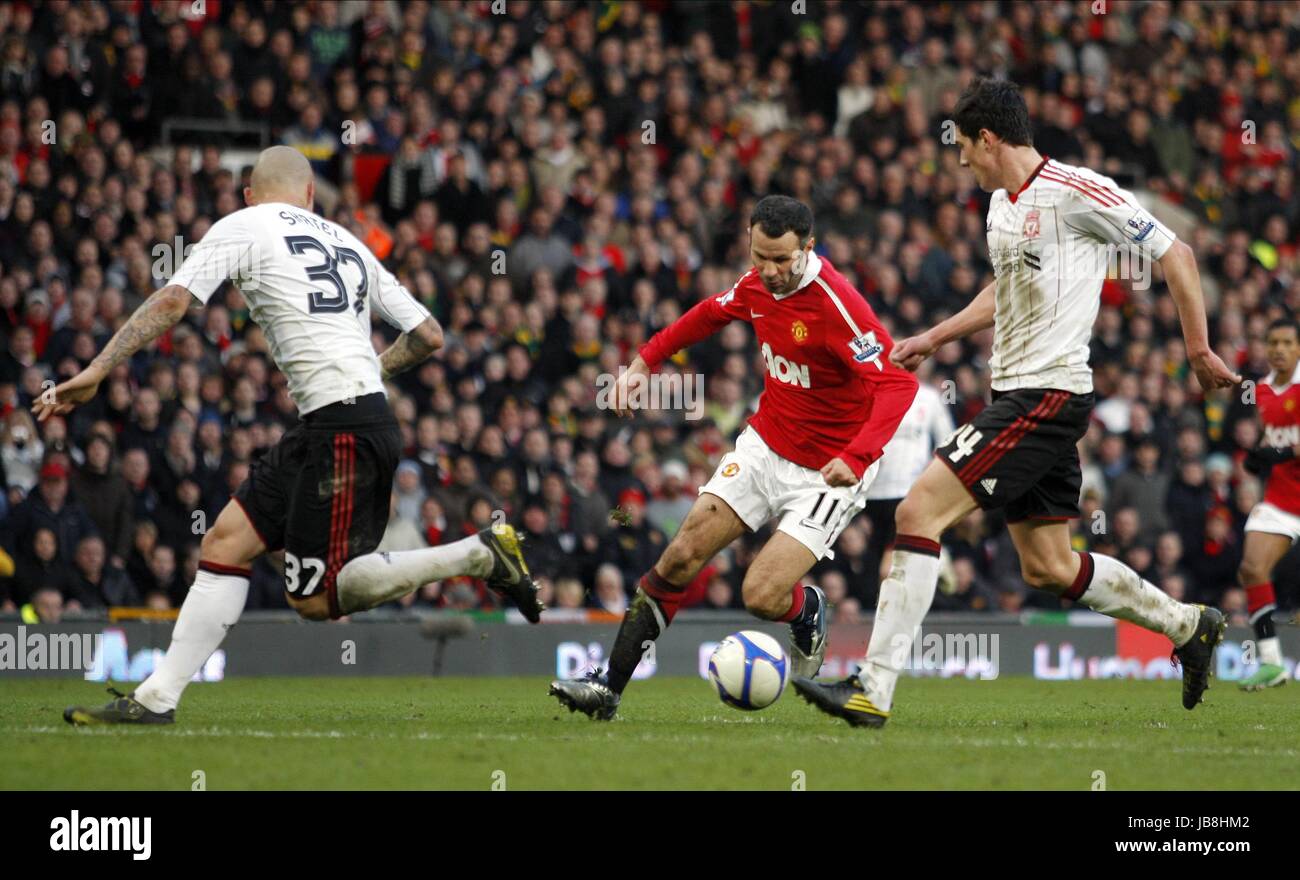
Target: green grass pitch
pixel 462 733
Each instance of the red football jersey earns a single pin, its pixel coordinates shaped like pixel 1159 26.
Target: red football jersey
pixel 830 389
pixel 1279 411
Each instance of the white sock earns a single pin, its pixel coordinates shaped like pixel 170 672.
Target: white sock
pixel 211 607
pixel 1270 651
pixel 377 578
pixel 905 597
pixel 1117 591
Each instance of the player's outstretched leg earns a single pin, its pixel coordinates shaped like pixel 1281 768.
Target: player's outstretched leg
pixel 864 699
pixel 1261 602
pixel 772 591
pixel 213 605
pixel 1263 551
pixel 494 553
pixel 1110 587
pixel 598 694
pixel 809 618
pixel 935 501
pixel 710 525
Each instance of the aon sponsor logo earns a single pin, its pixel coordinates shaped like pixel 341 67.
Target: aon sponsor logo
pixel 1277 436
pixel 785 371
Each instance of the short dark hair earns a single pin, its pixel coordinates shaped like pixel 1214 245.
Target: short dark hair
pixel 1283 322
pixel 995 104
pixel 777 215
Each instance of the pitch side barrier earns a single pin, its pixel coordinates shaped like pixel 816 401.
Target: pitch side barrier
pixel 1061 646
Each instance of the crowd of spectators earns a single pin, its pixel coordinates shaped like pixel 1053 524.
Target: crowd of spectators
pixel 557 181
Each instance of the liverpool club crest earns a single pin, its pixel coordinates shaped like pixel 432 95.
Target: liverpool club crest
pixel 1031 229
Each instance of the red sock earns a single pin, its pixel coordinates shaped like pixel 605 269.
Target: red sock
pixel 796 604
pixel 668 596
pixel 1082 580
pixel 1260 596
pixel 916 544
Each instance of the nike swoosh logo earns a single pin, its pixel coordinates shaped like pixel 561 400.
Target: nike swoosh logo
pixel 755 315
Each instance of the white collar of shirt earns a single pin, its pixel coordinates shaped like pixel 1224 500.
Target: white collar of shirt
pixel 1271 381
pixel 810 271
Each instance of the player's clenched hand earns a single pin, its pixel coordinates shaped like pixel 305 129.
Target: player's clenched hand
pixel 62 398
pixel 1212 372
pixel 909 353
pixel 638 373
pixel 837 473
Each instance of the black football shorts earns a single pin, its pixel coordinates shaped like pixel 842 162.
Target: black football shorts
pixel 1021 452
pixel 322 493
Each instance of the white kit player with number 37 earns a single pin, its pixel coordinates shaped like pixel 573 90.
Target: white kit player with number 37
pixel 322 493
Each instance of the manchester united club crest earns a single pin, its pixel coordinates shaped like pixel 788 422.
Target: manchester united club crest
pixel 1288 404
pixel 1031 229
pixel 799 330
pixel 731 470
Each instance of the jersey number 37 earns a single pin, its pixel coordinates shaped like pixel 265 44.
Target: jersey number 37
pixel 336 300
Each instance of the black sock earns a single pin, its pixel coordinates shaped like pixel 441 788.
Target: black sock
pixel 1263 625
pixel 640 625
pixel 811 605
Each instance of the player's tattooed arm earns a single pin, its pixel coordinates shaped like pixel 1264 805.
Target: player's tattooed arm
pixel 155 317
pixel 158 314
pixel 411 348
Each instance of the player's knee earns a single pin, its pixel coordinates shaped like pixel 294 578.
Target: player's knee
pixel 312 608
pixel 1044 575
pixel 767 604
pixel 230 541
pixel 910 517
pixel 217 546
pixel 1251 573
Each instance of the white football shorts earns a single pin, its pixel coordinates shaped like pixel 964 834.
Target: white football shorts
pixel 1274 520
pixel 758 484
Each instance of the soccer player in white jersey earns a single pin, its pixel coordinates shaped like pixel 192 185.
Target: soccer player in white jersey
pixel 322 493
pixel 928 423
pixel 1050 229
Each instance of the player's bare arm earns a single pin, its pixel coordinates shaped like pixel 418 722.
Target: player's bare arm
pixel 158 314
pixel 622 386
pixel 779 262
pixel 1184 280
pixel 978 315
pixel 411 348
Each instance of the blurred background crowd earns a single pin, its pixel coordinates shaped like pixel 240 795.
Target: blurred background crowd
pixel 558 180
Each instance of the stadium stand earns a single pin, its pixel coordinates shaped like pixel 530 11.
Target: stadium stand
pixel 557 180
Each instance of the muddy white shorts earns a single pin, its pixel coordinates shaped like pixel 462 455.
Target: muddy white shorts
pixel 1267 518
pixel 758 484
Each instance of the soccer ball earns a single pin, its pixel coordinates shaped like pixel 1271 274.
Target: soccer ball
pixel 749 669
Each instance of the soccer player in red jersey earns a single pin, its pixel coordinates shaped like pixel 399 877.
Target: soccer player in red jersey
pixel 1274 524
pixel 831 401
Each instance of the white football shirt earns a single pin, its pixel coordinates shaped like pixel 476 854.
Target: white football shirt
pixel 1051 245
pixel 927 424
pixel 310 285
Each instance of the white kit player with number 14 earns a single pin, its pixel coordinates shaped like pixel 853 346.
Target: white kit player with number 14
pixel 1051 231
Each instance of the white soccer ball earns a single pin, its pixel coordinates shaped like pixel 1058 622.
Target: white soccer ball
pixel 750 670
